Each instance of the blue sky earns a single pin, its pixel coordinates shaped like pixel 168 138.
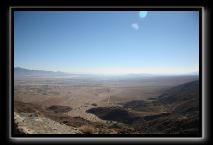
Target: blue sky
pixel 107 42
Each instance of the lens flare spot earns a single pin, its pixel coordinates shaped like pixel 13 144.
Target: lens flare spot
pixel 143 14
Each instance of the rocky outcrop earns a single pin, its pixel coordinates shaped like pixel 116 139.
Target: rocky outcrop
pixel 31 123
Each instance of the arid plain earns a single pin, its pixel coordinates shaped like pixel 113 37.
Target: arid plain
pixel 101 104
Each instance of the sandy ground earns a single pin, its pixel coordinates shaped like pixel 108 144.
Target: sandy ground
pixel 84 94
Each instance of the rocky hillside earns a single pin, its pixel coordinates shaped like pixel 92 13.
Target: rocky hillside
pixel 174 112
pixel 33 123
pixel 180 93
pixel 34 119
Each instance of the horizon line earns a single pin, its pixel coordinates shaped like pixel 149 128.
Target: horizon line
pixel 196 72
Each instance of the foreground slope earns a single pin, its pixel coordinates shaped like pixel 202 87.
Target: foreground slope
pixel 31 123
pixel 179 113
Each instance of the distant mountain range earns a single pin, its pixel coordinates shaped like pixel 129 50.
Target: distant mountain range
pixel 195 73
pixel 18 71
pixel 21 72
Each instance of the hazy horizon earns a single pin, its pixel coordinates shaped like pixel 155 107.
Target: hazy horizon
pixel 107 42
pixel 123 73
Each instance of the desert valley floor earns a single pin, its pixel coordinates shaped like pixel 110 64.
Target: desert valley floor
pixel 137 105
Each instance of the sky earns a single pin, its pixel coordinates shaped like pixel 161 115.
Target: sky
pixel 107 42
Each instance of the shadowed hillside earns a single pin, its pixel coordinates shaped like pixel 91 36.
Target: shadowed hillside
pixel 179 116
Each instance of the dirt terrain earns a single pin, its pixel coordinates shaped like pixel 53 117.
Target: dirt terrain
pixel 82 103
pixel 180 113
pixel 31 123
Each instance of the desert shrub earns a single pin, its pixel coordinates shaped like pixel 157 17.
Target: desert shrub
pixel 65 122
pixel 87 129
pixel 94 104
pixel 17 130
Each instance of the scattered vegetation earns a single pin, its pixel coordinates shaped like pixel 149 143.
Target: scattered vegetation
pixel 87 129
pixel 59 109
pixel 94 104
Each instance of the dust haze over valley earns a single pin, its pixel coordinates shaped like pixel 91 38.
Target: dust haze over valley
pixel 96 104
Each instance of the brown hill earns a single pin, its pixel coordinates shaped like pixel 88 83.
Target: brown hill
pixel 181 116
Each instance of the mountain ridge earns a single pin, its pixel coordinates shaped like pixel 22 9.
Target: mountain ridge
pixel 20 71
